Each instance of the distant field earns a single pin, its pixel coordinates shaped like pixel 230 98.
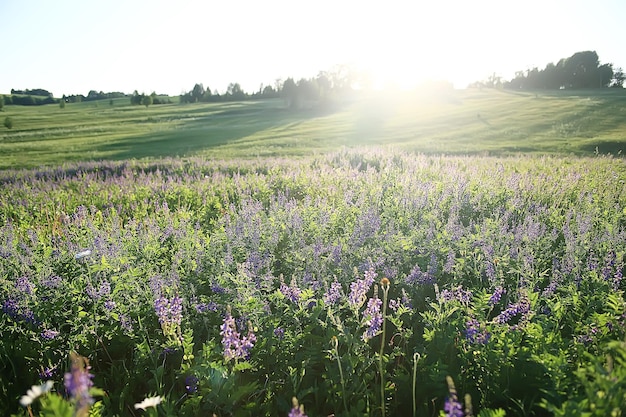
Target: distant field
pixel 461 122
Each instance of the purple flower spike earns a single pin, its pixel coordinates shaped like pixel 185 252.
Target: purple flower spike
pixel 78 382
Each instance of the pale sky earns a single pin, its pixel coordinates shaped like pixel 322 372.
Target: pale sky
pixel 73 46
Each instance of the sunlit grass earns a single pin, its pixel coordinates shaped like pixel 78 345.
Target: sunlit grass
pixel 457 122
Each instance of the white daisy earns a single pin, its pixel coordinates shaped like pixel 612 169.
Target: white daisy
pixel 34 392
pixel 149 402
pixel 81 255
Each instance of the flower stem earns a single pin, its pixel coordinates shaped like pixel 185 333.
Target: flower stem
pixel 416 358
pixel 384 283
pixel 343 383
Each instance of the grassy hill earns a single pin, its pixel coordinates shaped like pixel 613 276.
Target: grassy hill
pixel 459 122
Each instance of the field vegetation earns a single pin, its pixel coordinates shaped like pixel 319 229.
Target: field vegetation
pixel 471 121
pixel 382 256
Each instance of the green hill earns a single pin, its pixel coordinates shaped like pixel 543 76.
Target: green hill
pixel 456 122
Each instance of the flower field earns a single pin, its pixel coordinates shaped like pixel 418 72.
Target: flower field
pixel 368 282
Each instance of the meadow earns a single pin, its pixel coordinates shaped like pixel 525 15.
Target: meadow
pixel 477 122
pixel 356 280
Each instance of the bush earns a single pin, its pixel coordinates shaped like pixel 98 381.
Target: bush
pixel 8 122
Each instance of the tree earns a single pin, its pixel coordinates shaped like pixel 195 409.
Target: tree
pixel 146 100
pixel 197 93
pixel 290 93
pixel 235 91
pixel 618 78
pixel 8 122
pixel 62 103
pixel 1 103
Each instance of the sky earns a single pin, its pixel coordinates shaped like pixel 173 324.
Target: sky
pixel 73 46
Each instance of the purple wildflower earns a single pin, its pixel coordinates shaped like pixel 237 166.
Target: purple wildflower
pixel 235 347
pixel 496 296
pixel 291 292
pixel 333 294
pixel 417 276
pixel 203 307
pixel 297 410
pixel 359 289
pixel 53 281
pixel 78 381
pixel 49 334
pixel 109 305
pixel 458 294
pixel 47 373
pixel 191 384
pixel 474 334
pixel 24 285
pixel 372 318
pixel 279 332
pixel 520 308
pixel 169 312
pixel 452 406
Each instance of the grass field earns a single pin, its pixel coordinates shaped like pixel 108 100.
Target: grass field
pixel 459 122
pixel 283 257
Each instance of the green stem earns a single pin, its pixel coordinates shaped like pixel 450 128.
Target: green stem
pixel 416 358
pixel 343 383
pixel 385 287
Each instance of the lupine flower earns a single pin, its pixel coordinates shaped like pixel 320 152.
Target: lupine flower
pixel 235 347
pixel 474 334
pixel 333 294
pixel 459 294
pixel 291 292
pixel 521 308
pixel 372 318
pixel 359 289
pixel 47 372
pixel 297 410
pixel 191 384
pixel 497 295
pixel 35 392
pixel 279 332
pixel 24 285
pixel 452 406
pixel 78 382
pixel 419 277
pixel 148 402
pixel 404 302
pixel 204 307
pixel 49 334
pixel 170 314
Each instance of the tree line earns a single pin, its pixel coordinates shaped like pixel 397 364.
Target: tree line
pixel 326 87
pixel 581 70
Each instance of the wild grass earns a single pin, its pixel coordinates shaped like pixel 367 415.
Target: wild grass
pixel 458 122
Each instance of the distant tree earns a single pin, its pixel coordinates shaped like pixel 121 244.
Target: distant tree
pixel 146 100
pixel 605 74
pixel 581 70
pixel 136 99
pixel 207 94
pixel 290 93
pixel 618 78
pixel 62 103
pixel 1 103
pixel 8 122
pixel 235 92
pixel 197 93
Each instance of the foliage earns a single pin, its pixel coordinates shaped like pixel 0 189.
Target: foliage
pixel 355 281
pixel 581 70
